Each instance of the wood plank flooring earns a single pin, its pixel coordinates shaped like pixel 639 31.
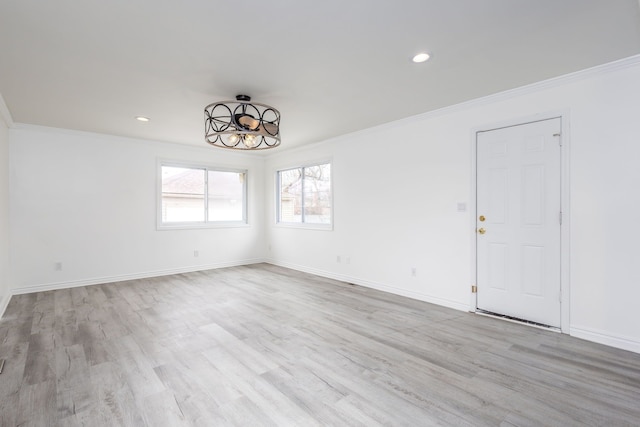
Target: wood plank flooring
pixel 263 345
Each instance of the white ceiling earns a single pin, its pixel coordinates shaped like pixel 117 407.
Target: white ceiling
pixel 331 66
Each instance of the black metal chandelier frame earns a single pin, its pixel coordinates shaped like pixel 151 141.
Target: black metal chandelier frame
pixel 242 124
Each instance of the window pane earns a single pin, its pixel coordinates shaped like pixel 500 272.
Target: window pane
pixel 182 194
pixel 291 195
pixel 226 196
pixel 317 194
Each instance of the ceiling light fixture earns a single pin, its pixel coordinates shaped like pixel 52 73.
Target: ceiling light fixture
pixel 421 57
pixel 142 119
pixel 241 124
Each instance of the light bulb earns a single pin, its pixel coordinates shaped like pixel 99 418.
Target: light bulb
pixel 250 141
pixel 233 139
pixel 421 57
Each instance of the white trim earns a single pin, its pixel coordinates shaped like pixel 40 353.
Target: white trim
pixel 473 200
pixel 305 225
pixel 134 276
pixel 201 225
pixel 5 114
pixel 532 88
pixel 303 164
pixel 167 161
pixel 4 303
pixel 565 254
pixel 602 337
pixel 565 228
pixel 373 285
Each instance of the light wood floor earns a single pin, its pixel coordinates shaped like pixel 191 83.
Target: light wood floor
pixel 263 345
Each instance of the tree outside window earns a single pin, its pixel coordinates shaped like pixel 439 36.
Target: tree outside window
pixel 305 195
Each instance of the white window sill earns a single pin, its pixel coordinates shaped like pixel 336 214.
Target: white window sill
pixel 200 225
pixel 305 226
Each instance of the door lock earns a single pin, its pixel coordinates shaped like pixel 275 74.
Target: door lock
pixel 482 218
pixel 481 230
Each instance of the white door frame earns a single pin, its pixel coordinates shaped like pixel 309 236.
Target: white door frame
pixel 564 204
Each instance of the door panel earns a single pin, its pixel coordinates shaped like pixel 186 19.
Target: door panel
pixel 498 267
pixel 518 206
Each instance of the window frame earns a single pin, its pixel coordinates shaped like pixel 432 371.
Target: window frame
pixel 305 225
pixel 160 225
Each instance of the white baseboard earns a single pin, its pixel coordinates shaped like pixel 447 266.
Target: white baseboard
pixel 4 303
pixel 374 285
pixel 602 337
pixel 134 276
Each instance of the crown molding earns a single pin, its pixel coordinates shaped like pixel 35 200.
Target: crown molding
pixel 5 114
pixel 149 142
pixel 577 76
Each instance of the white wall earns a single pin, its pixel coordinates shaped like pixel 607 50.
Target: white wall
pixel 397 187
pixel 5 294
pixel 88 201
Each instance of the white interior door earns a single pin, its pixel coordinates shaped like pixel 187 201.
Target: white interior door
pixel 519 219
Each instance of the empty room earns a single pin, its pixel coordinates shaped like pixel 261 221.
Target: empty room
pixel 346 213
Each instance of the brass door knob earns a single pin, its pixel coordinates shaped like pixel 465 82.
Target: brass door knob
pixel 482 218
pixel 481 230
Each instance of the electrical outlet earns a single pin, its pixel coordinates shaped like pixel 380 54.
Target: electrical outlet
pixel 413 271
pixel 58 266
pixel 347 260
pixel 338 259
pixel 196 254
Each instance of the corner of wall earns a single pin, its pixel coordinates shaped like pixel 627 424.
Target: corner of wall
pixel 4 303
pixel 5 114
pixel 6 122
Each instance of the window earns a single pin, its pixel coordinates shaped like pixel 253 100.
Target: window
pixel 201 196
pixel 304 195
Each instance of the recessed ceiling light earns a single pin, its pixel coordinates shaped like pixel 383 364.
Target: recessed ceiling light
pixel 421 57
pixel 142 118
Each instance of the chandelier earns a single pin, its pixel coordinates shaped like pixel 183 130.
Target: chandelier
pixel 241 124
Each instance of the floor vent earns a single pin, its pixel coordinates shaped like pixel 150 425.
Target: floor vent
pixel 517 320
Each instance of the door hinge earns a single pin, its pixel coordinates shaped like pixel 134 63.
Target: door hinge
pixel 560 217
pixel 474 289
pixel 560 296
pixel 558 135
